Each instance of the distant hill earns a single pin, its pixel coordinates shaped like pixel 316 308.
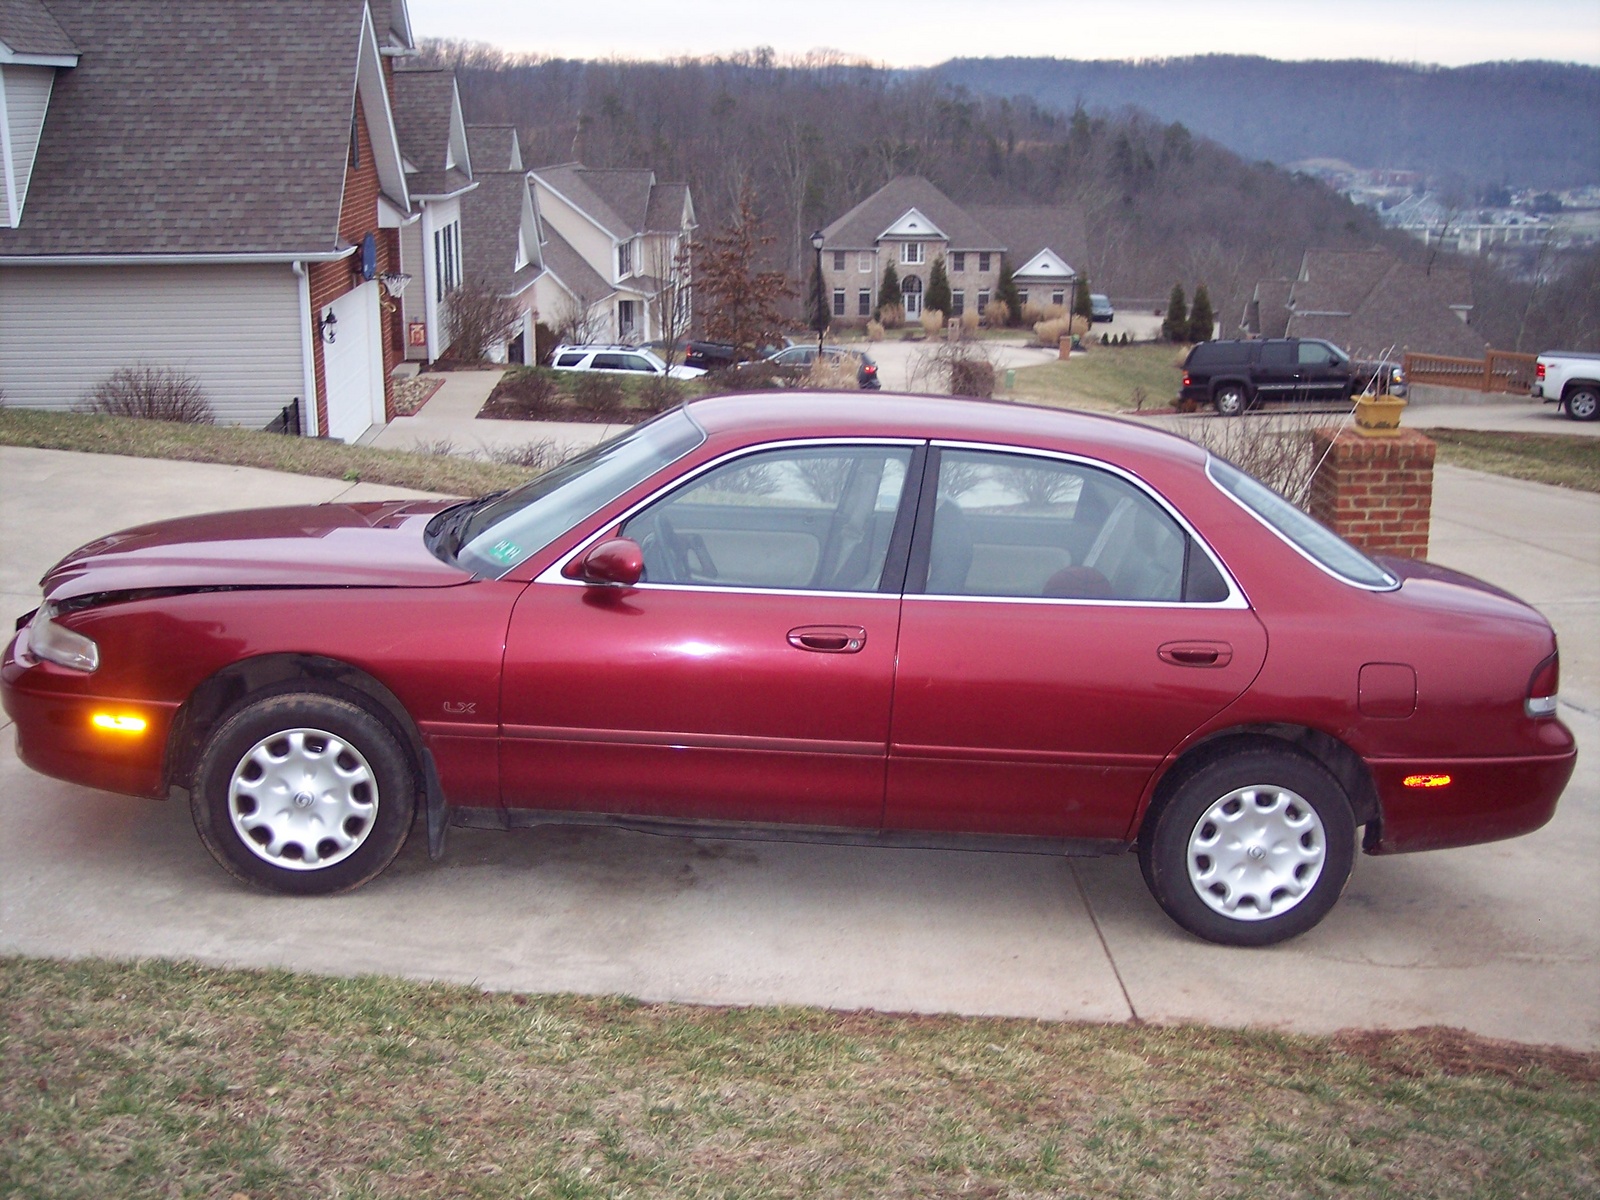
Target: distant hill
pixel 1532 124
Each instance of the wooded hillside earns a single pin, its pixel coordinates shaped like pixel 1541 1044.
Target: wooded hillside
pixel 1161 205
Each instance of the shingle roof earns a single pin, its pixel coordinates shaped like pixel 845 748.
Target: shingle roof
pixel 1026 230
pixel 1371 303
pixel 27 27
pixel 494 148
pixel 192 127
pixel 859 228
pixel 1267 313
pixel 667 204
pixel 567 265
pixel 625 193
pixel 491 218
pixel 422 102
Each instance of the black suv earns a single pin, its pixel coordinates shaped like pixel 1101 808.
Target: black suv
pixel 1236 375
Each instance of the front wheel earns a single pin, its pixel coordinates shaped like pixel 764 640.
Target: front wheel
pixel 1583 404
pixel 303 793
pixel 1230 400
pixel 1251 849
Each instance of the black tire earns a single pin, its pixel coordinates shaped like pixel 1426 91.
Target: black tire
pixel 303 793
pixel 1583 403
pixel 1230 400
pixel 1272 876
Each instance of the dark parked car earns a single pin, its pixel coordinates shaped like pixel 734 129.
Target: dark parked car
pixel 718 356
pixel 1236 375
pixel 1100 309
pixel 794 363
pixel 914 622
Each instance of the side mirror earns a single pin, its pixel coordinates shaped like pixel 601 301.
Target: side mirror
pixel 615 562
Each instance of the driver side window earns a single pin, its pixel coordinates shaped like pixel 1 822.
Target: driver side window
pixel 813 519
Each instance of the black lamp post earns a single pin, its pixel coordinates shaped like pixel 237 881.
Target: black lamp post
pixel 819 308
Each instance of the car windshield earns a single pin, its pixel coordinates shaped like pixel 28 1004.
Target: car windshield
pixel 504 531
pixel 1321 545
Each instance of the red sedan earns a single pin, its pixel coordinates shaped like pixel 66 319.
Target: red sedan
pixel 903 622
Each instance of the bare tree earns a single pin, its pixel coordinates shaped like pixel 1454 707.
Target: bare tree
pixel 479 319
pixel 577 321
pixel 672 301
pixel 740 303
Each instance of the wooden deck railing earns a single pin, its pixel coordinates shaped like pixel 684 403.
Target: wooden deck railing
pixel 1497 371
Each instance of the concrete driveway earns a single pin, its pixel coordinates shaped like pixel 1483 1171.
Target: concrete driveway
pixel 1503 939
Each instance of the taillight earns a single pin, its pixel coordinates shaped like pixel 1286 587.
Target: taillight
pixel 870 370
pixel 1538 370
pixel 1543 686
pixel 1186 380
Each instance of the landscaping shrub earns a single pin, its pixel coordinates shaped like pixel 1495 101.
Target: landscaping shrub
pixel 874 331
pixel 969 322
pixel 478 319
pixel 1050 333
pixel 597 392
pixel 891 316
pixel 831 375
pixel 153 394
pixel 932 322
pixel 997 315
pixel 972 377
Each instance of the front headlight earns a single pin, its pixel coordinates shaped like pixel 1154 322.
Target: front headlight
pixel 57 644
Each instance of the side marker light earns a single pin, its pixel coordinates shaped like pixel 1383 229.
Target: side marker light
pixel 1426 781
pixel 119 722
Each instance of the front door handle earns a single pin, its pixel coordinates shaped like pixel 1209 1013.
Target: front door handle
pixel 829 639
pixel 1196 654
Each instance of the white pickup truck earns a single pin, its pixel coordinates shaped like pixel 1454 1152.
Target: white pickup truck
pixel 1571 379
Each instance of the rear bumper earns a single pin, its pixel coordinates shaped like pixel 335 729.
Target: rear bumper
pixel 1487 800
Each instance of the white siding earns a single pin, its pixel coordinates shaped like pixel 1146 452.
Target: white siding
pixel 24 97
pixel 235 328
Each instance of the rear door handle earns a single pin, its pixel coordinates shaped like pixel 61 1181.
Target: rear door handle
pixel 1196 654
pixel 829 639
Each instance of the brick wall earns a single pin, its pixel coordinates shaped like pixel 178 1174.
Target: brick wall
pixel 358 216
pixel 1375 492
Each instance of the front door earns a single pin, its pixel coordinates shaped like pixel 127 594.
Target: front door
pixel 911 296
pixel 1070 634
pixel 747 677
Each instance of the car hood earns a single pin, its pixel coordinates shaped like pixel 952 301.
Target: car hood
pixel 326 545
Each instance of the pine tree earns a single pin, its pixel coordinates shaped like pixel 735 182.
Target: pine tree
pixel 1201 318
pixel 938 297
pixel 889 293
pixel 1006 291
pixel 1080 301
pixel 1175 326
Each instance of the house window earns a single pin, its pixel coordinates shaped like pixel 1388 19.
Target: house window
pixel 522 250
pixel 911 252
pixel 838 260
pixel 983 260
pixel 1058 298
pixel 958 260
pixel 864 262
pixel 864 302
pixel 627 318
pixel 1022 296
pixel 446 259
pixel 958 303
pixel 838 302
pixel 983 301
pixel 624 260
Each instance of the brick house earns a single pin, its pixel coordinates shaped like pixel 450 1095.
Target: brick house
pixel 217 189
pixel 911 223
pixel 1368 302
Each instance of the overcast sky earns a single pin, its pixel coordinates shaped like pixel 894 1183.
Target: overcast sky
pixel 924 32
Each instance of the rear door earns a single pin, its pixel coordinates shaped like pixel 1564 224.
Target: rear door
pixel 1276 374
pixel 1061 634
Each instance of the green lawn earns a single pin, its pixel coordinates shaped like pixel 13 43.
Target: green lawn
pixel 1105 378
pixel 1565 459
pixel 164 1079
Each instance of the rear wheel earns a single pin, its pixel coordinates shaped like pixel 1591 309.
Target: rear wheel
pixel 1251 849
pixel 1229 400
pixel 303 793
pixel 1583 404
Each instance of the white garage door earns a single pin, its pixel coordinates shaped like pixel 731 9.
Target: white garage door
pixel 353 365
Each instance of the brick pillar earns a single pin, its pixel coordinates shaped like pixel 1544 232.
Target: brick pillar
pixel 1375 492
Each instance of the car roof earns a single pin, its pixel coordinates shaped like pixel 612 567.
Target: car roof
pixel 827 414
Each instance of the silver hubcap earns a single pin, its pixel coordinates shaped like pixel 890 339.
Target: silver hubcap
pixel 303 799
pixel 1256 853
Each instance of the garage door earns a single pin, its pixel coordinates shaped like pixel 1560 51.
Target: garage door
pixel 353 365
